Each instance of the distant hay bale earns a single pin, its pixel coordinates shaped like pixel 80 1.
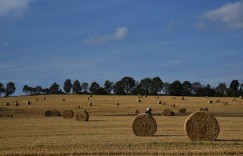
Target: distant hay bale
pixel 36 99
pixel 16 104
pixel 204 109
pixel 44 98
pixel 136 111
pixel 206 97
pixel 217 101
pixel 201 126
pixel 225 103
pixel 182 98
pixel 173 105
pixel 28 102
pixel 48 113
pixel 240 97
pixel 159 102
pixel 138 100
pixel 234 99
pixel 90 95
pixel 210 101
pixel 67 114
pixel 55 113
pixel 82 116
pixel 63 99
pixel 182 110
pixel 172 113
pixel 90 104
pixel 144 125
pixel 163 103
pixel 78 107
pixel 117 103
pixel 166 112
pixel 7 104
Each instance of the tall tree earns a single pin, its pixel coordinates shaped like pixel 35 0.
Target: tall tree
pixel 146 86
pixel 76 87
pixel 118 88
pixel 108 86
pixel 221 89
pixel 94 87
pixel 38 89
pixel 67 86
pixel 197 89
pixel 234 85
pixel 166 88
pixel 175 88
pixel 128 84
pixel 10 89
pixel 2 89
pixel 186 88
pixel 157 85
pixel 26 89
pixel 85 86
pixel 54 88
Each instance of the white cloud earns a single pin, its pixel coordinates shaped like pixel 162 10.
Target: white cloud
pixel 12 6
pixel 231 15
pixel 119 34
pixel 200 26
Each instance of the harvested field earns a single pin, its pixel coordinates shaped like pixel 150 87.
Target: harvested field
pixel 109 131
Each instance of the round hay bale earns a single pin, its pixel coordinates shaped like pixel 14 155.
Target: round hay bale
pixel 173 105
pixel 48 113
pixel 55 113
pixel 82 116
pixel 117 103
pixel 201 126
pixel 90 95
pixel 16 104
pixel 182 98
pixel 217 101
pixel 182 110
pixel 166 112
pixel 138 100
pixel 204 109
pixel 172 113
pixel 63 100
pixel 144 125
pixel 7 104
pixel 210 101
pixel 36 99
pixel 159 102
pixel 44 98
pixel 90 104
pixel 240 97
pixel 136 111
pixel 67 114
pixel 28 102
pixel 234 99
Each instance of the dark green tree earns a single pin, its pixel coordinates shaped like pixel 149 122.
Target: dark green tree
pixel 38 89
pixel 108 86
pixel 10 89
pixel 166 88
pixel 186 88
pixel 26 89
pixel 85 86
pixel 197 89
pixel 175 88
pixel 157 85
pixel 67 86
pixel 94 87
pixel 54 89
pixel 77 87
pixel 146 86
pixel 118 88
pixel 234 85
pixel 221 89
pixel 128 84
pixel 2 89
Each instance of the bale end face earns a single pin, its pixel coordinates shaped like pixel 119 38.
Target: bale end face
pixel 67 114
pixel 82 116
pixel 166 112
pixel 144 125
pixel 201 126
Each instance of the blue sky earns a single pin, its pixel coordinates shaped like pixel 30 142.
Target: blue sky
pixel 47 41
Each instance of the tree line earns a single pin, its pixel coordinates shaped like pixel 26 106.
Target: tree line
pixel 129 86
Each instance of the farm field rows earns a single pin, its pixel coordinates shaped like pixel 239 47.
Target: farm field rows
pixel 109 131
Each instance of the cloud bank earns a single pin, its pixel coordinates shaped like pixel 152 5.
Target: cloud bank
pixel 119 34
pixel 12 6
pixel 231 15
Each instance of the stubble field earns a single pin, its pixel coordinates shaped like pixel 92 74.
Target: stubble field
pixel 109 131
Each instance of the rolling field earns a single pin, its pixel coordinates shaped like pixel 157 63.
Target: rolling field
pixel 109 131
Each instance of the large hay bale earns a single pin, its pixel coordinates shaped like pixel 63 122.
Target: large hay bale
pixel 201 126
pixel 82 116
pixel 166 112
pixel 144 125
pixel 138 100
pixel 210 101
pixel 182 110
pixel 55 113
pixel 48 113
pixel 67 114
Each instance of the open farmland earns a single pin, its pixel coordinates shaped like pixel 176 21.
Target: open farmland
pixel 108 131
